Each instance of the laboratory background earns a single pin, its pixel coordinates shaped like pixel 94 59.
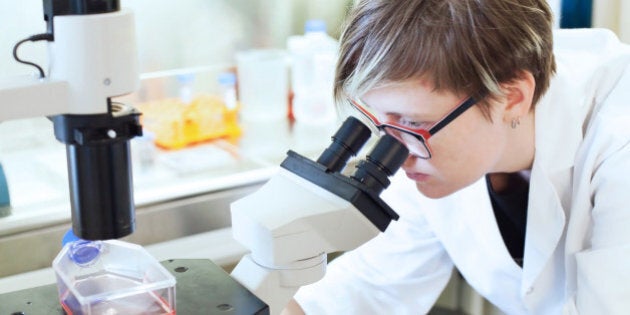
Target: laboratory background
pixel 195 61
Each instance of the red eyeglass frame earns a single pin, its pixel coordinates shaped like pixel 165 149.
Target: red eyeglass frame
pixel 423 135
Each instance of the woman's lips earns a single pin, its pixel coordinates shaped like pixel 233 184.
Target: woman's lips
pixel 418 177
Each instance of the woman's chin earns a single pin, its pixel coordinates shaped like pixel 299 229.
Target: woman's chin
pixel 433 191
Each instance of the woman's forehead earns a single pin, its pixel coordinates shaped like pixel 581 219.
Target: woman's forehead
pixel 416 95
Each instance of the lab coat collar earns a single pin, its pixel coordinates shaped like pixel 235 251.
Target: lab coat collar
pixel 582 81
pixel 553 158
pixel 546 215
pixel 589 62
pixel 559 133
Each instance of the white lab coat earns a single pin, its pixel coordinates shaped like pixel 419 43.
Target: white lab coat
pixel 577 247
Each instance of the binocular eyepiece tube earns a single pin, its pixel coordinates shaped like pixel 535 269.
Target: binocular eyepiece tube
pixel 346 142
pixel 383 161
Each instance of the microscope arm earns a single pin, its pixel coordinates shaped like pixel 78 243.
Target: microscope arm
pixel 28 96
pixel 290 224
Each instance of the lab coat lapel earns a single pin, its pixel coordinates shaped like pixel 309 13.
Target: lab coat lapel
pixel 467 228
pixel 549 197
pixel 560 110
pixel 545 226
pixel 581 81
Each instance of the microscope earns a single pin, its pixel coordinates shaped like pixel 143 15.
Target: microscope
pixel 92 51
pixel 305 211
pixel 310 209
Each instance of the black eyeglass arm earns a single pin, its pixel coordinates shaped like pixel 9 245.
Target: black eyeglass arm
pixel 454 114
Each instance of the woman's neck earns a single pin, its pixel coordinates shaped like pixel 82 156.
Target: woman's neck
pixel 519 152
pixel 504 182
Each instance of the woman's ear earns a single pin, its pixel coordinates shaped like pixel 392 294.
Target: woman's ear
pixel 519 94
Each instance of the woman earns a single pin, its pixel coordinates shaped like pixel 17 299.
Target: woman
pixel 519 163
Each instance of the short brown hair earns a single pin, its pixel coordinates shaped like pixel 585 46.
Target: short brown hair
pixel 463 46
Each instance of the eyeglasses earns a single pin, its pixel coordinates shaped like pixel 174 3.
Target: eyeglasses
pixel 416 139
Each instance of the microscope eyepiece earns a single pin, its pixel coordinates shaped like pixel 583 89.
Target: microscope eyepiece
pixel 383 161
pixel 346 142
pixel 389 154
pixel 370 178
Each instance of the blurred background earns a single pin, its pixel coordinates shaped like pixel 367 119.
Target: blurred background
pixel 189 33
pixel 189 190
pixel 182 34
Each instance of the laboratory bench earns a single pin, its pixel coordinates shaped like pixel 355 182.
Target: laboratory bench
pixel 182 196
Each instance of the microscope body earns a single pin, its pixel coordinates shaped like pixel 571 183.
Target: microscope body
pixel 290 224
pixel 96 55
pixel 309 209
pixel 92 57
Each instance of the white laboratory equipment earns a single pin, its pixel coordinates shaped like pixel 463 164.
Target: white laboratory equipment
pixel 313 57
pixel 93 58
pixel 92 51
pixel 310 209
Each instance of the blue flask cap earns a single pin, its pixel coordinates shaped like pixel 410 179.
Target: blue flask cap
pixel 82 252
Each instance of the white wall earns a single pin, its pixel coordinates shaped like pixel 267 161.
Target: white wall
pixel 178 34
pixel 20 19
pixel 187 33
pixel 613 14
pixel 555 7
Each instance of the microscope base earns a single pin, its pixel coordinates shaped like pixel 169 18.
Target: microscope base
pixel 202 288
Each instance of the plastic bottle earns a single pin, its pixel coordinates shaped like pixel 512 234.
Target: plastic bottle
pixel 143 150
pixel 313 58
pixel 227 86
pixel 186 82
pixel 111 277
